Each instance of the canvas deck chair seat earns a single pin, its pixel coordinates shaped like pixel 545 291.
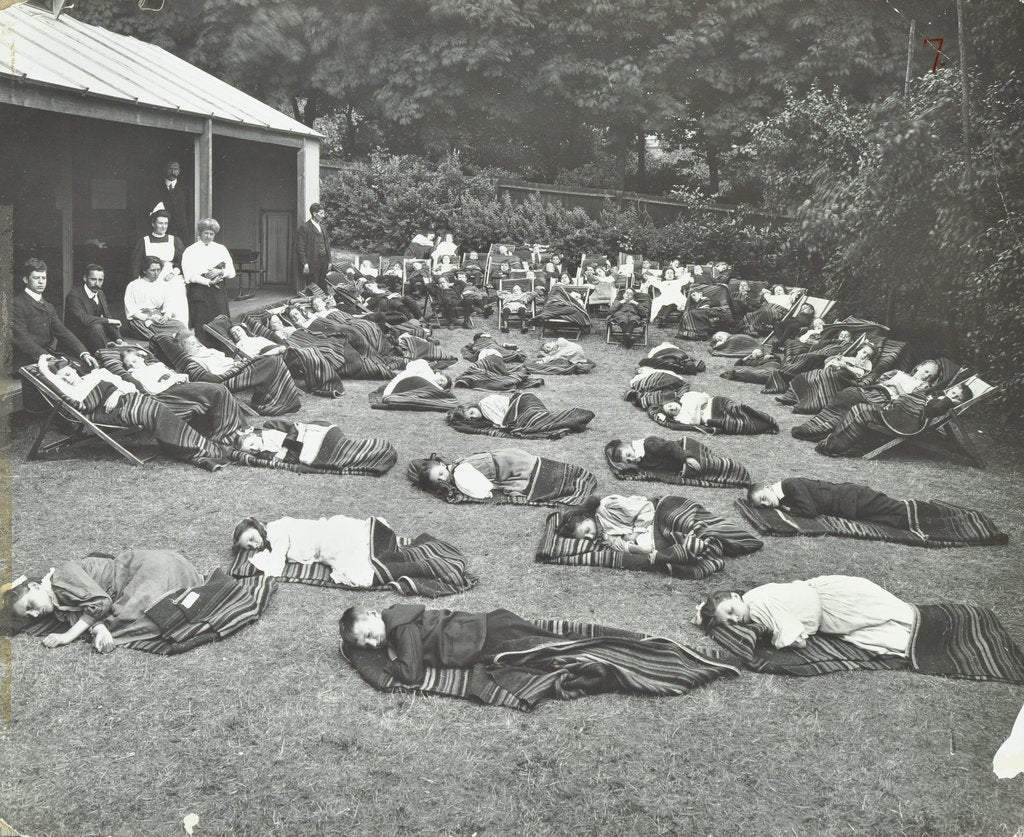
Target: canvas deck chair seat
pixel 944 434
pixel 82 426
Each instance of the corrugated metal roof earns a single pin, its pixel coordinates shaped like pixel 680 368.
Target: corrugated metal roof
pixel 92 61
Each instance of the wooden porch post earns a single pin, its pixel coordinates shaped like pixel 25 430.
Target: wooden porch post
pixel 307 168
pixel 66 205
pixel 204 173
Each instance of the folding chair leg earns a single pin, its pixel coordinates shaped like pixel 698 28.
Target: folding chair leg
pixel 38 449
pixel 33 452
pixel 873 454
pixel 960 437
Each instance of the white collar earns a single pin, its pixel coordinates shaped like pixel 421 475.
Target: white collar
pixel 776 489
pixel 639 448
pixel 34 295
pixel 89 293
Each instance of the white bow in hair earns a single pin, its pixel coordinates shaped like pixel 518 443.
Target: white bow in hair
pixel 696 615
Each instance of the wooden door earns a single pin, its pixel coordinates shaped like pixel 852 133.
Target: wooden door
pixel 277 240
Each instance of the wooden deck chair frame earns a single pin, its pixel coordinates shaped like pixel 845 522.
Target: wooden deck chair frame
pixel 508 284
pixel 821 306
pixel 222 341
pixel 84 427
pixel 947 428
pixel 613 333
pixel 408 265
pixel 558 327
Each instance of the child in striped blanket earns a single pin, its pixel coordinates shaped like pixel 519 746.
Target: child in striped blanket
pixel 853 608
pixel 657 454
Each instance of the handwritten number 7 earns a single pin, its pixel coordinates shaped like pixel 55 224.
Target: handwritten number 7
pixel 938 52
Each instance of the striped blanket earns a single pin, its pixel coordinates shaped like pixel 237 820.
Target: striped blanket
pixel 439 567
pixel 491 373
pixel 551 483
pixel 414 394
pixel 691 543
pixel 594 660
pixel 527 418
pixel 337 454
pixel 759 322
pixel 318 367
pixel 755 371
pixel 558 366
pixel 728 418
pixel 415 348
pixel 810 392
pixel 273 389
pixel 951 640
pixel 510 353
pixel 935 524
pixel 561 306
pixel 715 472
pixel 656 388
pixel 194 616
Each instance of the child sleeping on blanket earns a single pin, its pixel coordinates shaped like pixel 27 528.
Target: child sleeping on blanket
pixel 692 408
pixel 478 476
pixel 852 608
pixel 624 523
pixel 419 637
pixel 422 370
pixel 300 443
pixel 810 498
pixel 102 595
pixel 656 454
pixel 339 542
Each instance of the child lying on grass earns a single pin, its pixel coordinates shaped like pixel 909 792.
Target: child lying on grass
pixel 852 608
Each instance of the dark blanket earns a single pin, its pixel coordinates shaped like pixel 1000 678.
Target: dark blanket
pixel 527 418
pixel 673 359
pixel 493 374
pixel 592 660
pixel 510 353
pixel 194 616
pixel 437 568
pixel 415 348
pixel 338 454
pixel 759 322
pixel 810 392
pixel 753 371
pixel 936 524
pixel 728 417
pixel 558 366
pixel 700 323
pixel 414 394
pixel 736 345
pixel 951 640
pixel 715 471
pixel 319 365
pixel 560 306
pixel 551 483
pixel 669 383
pixel 691 542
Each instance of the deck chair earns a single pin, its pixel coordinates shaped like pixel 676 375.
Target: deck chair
pixel 821 306
pixel 82 427
pixel 943 434
pixel 506 284
pixel 413 269
pixel 224 343
pixel 613 333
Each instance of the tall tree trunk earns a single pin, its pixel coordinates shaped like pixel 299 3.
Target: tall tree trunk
pixel 311 111
pixel 641 161
pixel 350 134
pixel 713 179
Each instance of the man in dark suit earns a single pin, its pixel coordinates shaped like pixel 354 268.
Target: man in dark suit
pixel 173 192
pixel 37 330
pixel 87 314
pixel 313 245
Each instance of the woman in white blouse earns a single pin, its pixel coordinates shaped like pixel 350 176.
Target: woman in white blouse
pixel 205 265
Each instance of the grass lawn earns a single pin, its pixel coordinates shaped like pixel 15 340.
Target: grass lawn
pixel 269 733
